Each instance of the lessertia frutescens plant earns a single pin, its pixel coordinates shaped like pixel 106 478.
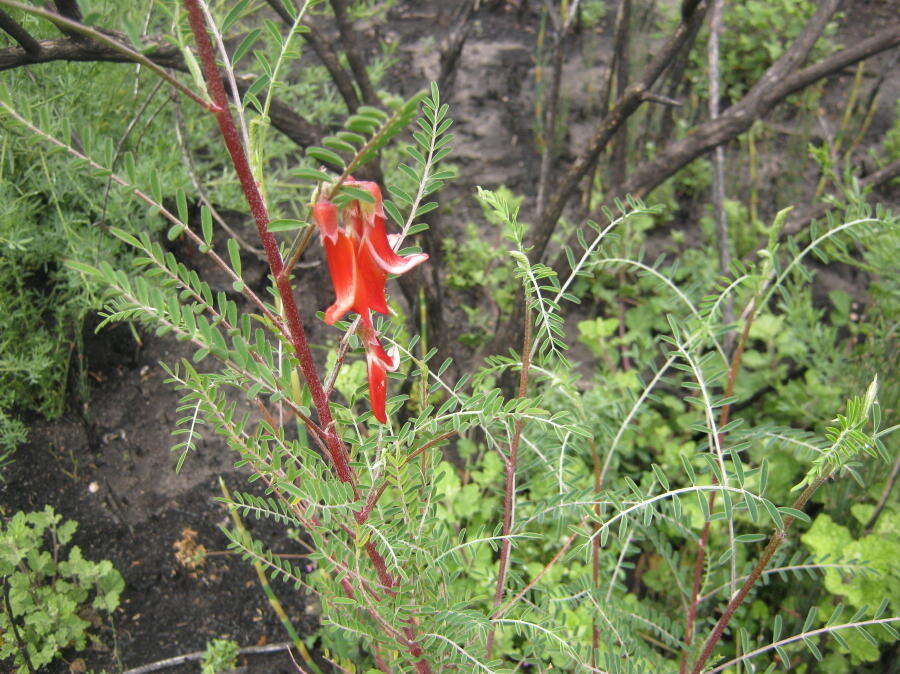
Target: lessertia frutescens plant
pixel 402 550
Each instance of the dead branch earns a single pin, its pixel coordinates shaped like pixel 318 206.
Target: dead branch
pixel 18 33
pixel 619 153
pixel 326 54
pixel 562 27
pixel 718 186
pixel 283 117
pixel 623 108
pixel 739 117
pixel 350 41
pixel 803 218
pixel 452 48
pixel 70 10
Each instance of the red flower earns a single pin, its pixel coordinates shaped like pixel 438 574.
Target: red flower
pixel 360 256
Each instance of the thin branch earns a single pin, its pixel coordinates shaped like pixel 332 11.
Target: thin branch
pixel 605 96
pixel 198 655
pixel 806 216
pixel 70 10
pixel 337 450
pixel 150 201
pixel 740 116
pixel 452 48
pixel 274 602
pixel 774 543
pixel 23 647
pixel 718 186
pixel 623 108
pixel 162 55
pixel 228 69
pixel 662 100
pixel 562 28
pixel 883 499
pixel 181 136
pixel 540 574
pixel 509 491
pixel 351 43
pixel 125 135
pixel 110 41
pixel 326 54
pixel 724 415
pixel 828 629
pixel 19 34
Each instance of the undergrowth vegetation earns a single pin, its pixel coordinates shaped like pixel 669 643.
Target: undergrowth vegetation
pixel 675 465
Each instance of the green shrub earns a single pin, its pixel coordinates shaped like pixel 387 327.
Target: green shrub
pixel 53 594
pixel 220 656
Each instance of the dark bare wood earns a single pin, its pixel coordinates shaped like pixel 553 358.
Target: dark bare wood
pixel 18 33
pixel 623 108
pixel 70 10
pixel 283 117
pixel 327 56
pixel 350 40
pixel 739 117
pixel 803 218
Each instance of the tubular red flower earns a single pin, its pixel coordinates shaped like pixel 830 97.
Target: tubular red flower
pixel 360 255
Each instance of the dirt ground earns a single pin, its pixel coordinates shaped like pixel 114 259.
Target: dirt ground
pixel 109 467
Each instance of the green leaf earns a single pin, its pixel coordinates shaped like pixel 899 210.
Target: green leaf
pixel 174 232
pixel 325 155
pixel 310 174
pixel 749 538
pixel 358 194
pixel 234 254
pixel 286 225
pixel 206 224
pixel 661 477
pixel 774 514
pixel 233 15
pixel 796 514
pixel 181 203
pixel 246 44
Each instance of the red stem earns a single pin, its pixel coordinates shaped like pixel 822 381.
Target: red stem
pixel 337 450
pixel 774 542
pixel 509 489
pixel 700 560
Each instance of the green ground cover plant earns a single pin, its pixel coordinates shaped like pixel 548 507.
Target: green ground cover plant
pixel 52 595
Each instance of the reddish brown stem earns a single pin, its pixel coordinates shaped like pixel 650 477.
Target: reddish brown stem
pixel 337 450
pixel 700 560
pixel 774 543
pixel 509 490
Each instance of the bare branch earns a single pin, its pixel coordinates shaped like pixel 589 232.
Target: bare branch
pixel 70 10
pixel 161 54
pixel 326 54
pixel 718 186
pixel 619 152
pixel 623 108
pixel 351 48
pixel 18 33
pixel 562 26
pixel 885 494
pixel 452 49
pixel 806 216
pixel 739 117
pixel 112 42
pixel 662 100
